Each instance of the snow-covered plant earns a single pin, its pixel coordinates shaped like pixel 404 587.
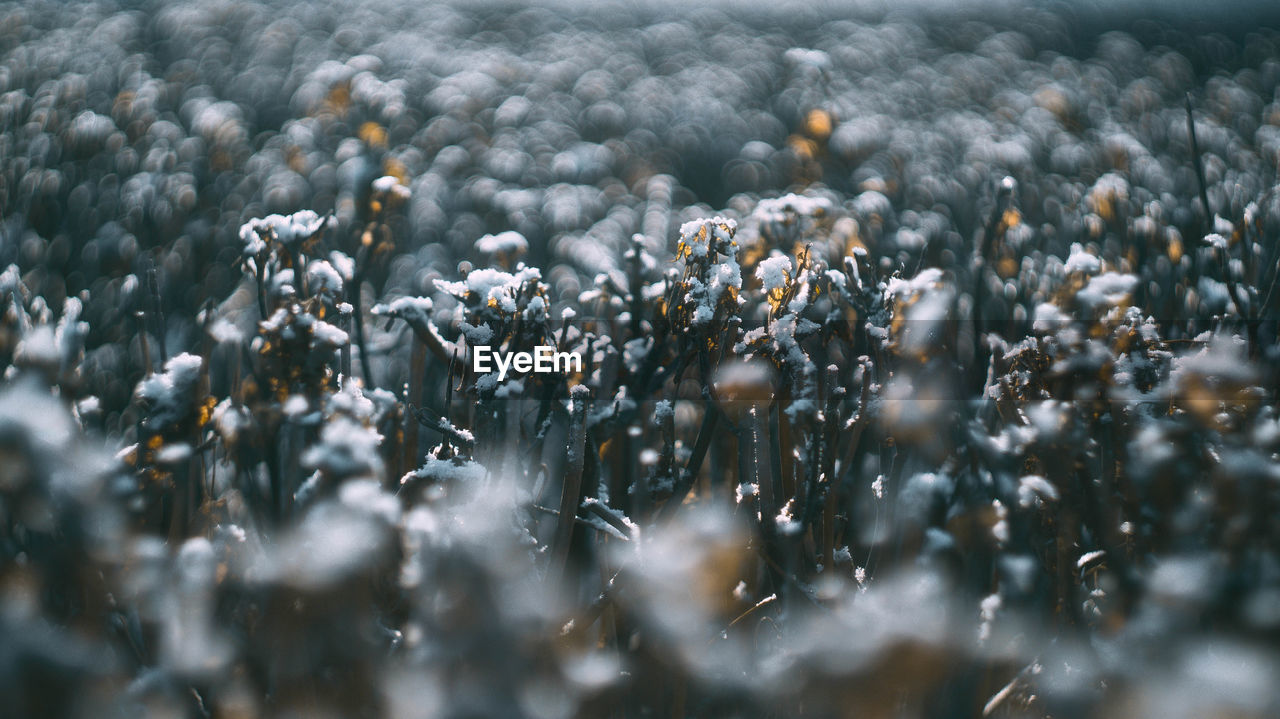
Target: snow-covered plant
pixel 925 371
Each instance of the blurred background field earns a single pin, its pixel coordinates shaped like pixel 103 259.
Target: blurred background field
pixel 932 356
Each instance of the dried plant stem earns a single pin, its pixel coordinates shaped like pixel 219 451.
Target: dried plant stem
pixel 761 470
pixel 572 479
pixel 361 343
pixel 417 370
pixel 144 345
pixel 1198 166
pixel 156 314
pixel 685 480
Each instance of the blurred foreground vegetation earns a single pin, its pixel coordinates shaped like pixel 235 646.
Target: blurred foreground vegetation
pixel 930 365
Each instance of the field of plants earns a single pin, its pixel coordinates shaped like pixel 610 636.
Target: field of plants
pixel 929 362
